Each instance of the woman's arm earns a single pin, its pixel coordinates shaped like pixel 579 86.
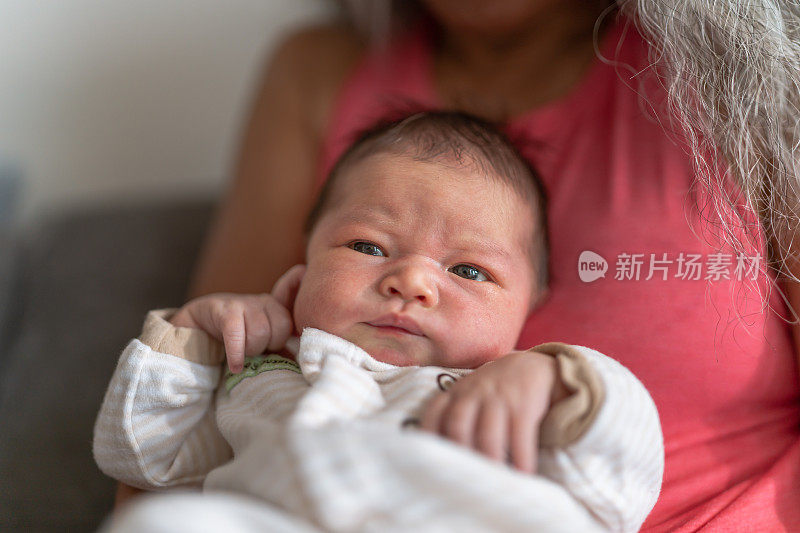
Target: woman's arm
pixel 257 233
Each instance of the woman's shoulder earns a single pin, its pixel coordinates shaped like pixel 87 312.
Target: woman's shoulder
pixel 325 45
pixel 314 61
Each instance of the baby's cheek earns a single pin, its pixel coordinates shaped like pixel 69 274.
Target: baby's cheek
pixel 485 336
pixel 320 305
pixel 300 313
pixel 503 328
pixel 307 311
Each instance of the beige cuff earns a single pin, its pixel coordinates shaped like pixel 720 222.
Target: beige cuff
pixel 568 419
pixel 187 343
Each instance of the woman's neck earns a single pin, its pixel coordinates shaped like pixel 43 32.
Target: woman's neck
pixel 498 76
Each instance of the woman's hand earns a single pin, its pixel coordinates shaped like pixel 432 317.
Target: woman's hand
pixel 246 324
pixel 497 409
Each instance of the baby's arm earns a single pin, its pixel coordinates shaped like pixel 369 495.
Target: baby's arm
pixel 616 463
pixel 596 424
pixel 156 427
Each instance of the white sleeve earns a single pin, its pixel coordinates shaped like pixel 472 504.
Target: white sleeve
pixel 156 427
pixel 615 467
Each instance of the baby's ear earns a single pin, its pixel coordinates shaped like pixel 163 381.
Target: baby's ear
pixel 285 289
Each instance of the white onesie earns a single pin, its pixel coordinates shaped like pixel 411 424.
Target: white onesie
pixel 331 440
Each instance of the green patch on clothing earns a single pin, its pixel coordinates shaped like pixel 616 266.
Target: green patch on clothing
pixel 253 366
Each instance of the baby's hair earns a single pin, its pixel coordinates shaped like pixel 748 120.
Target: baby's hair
pixel 459 138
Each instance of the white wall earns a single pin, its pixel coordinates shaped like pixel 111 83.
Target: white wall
pixel 105 101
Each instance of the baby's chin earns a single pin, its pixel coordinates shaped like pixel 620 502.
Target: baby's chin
pixel 393 353
pixel 393 357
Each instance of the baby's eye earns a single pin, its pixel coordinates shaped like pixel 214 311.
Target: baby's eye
pixel 367 248
pixel 469 272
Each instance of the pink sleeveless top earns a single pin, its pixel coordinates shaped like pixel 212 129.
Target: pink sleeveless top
pixel 721 371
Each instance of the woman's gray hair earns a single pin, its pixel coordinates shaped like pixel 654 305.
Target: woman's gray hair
pixel 731 69
pixel 732 73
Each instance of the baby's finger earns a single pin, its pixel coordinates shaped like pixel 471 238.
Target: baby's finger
pixel 234 334
pixel 257 329
pixel 280 323
pixel 285 289
pixel 432 414
pixel 524 441
pixel 491 430
pixel 459 419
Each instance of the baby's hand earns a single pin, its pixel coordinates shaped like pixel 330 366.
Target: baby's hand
pixel 246 324
pixel 497 409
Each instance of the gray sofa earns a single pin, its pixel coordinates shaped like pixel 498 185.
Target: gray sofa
pixel 72 292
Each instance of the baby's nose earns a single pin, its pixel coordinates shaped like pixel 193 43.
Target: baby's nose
pixel 412 282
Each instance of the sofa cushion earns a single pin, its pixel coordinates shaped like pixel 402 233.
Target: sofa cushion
pixel 87 280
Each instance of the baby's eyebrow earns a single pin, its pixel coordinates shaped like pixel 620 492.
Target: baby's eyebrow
pixel 367 215
pixel 482 247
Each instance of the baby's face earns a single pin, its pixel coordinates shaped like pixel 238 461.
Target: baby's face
pixel 420 263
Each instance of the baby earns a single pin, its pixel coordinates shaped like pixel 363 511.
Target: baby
pixel 426 252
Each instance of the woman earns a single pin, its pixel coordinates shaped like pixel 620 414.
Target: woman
pixel 611 144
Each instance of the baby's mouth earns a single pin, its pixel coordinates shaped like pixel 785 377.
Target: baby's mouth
pixel 397 324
